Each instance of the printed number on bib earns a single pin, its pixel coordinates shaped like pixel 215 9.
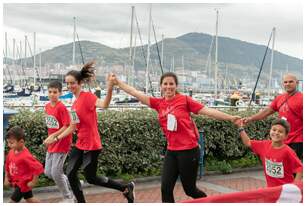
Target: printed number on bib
pixel 274 169
pixel 74 117
pixel 51 122
pixel 171 122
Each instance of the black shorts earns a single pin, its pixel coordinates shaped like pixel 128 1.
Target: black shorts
pixel 18 195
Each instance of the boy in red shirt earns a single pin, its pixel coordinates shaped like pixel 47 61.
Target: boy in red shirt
pixel 57 120
pixel 21 168
pixel 280 162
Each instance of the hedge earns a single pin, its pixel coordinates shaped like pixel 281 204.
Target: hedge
pixel 133 141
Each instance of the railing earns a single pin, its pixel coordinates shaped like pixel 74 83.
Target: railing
pixel 139 106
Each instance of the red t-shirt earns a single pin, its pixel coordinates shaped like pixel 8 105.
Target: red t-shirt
pixel 87 122
pixel 21 168
pixel 56 117
pixel 186 135
pixel 291 107
pixel 279 163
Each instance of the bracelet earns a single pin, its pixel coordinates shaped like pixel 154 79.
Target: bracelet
pixel 56 138
pixel 241 129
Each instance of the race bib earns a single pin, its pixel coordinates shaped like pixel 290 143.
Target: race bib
pixel 74 117
pixel 51 122
pixel 171 122
pixel 274 169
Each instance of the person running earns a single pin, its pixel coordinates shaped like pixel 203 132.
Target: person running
pixel 57 120
pixel 182 155
pixel 289 105
pixel 279 161
pixel 21 168
pixel 88 145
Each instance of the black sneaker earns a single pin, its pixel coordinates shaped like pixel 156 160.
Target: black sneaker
pixel 130 194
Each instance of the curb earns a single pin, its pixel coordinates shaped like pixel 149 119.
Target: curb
pixel 7 193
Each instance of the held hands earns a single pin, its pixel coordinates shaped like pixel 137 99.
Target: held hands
pixel 239 123
pixel 246 120
pixel 235 119
pixel 111 79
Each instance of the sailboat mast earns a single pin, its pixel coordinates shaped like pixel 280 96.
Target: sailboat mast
pixel 271 63
pixel 131 33
pixel 34 58
pixel 183 73
pixel 148 51
pixel 130 67
pixel 162 51
pixel 216 58
pixel 73 48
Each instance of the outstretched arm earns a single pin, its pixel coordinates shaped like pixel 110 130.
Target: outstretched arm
pixel 144 99
pixel 216 114
pixel 260 115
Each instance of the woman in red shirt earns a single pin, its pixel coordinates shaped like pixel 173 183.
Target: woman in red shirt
pixel 88 145
pixel 182 156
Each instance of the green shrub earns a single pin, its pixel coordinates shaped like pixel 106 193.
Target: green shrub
pixel 133 141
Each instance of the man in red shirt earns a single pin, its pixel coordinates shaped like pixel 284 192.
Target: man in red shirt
pixel 21 168
pixel 289 106
pixel 279 161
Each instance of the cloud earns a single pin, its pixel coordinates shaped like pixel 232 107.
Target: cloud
pixel 110 23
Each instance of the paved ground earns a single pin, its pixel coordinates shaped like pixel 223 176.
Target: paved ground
pixel 149 191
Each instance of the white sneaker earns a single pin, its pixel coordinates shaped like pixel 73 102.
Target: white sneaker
pixel 68 200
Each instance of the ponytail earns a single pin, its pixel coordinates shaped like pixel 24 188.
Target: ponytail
pixel 86 75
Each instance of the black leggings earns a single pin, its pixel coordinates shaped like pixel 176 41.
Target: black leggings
pixel 88 160
pixel 298 148
pixel 184 164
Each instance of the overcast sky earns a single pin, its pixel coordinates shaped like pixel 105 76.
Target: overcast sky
pixel 109 24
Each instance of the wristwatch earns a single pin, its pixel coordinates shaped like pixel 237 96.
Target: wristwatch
pixel 240 129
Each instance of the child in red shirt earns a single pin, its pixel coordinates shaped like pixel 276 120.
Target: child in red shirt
pixel 21 168
pixel 57 120
pixel 279 161
pixel 88 145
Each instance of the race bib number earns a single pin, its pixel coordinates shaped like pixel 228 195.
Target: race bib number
pixel 274 169
pixel 51 122
pixel 74 117
pixel 171 122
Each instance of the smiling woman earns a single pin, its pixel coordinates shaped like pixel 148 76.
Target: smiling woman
pixel 182 155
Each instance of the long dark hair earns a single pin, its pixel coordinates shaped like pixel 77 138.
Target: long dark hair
pixel 86 75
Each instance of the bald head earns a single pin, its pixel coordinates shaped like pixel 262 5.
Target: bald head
pixel 289 75
pixel 290 83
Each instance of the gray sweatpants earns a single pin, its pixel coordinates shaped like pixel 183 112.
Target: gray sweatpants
pixel 54 169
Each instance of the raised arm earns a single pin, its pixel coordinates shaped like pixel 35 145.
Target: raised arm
pixel 243 135
pixel 213 113
pixel 105 102
pixel 144 99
